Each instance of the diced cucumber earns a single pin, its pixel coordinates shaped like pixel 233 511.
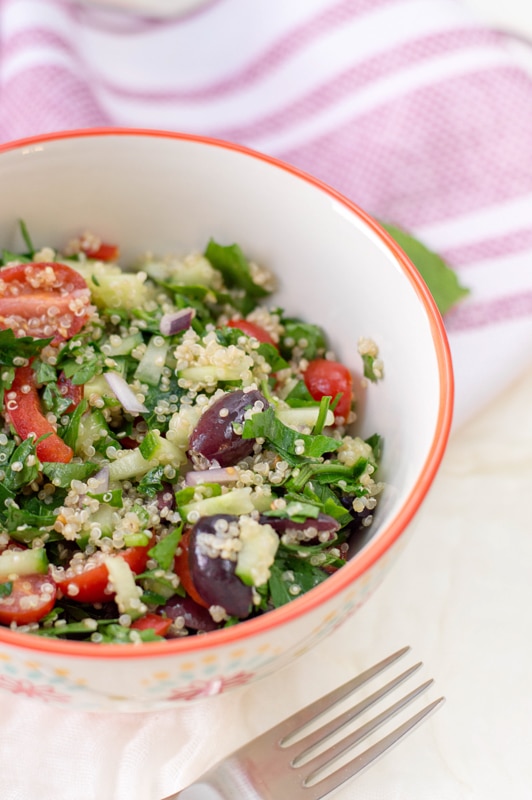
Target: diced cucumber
pixel 155 446
pixel 130 465
pixel 257 554
pixel 111 287
pixel 99 386
pixel 237 501
pixel 195 270
pixel 151 365
pixel 92 427
pixel 105 518
pixel 304 417
pixel 127 593
pixel 125 346
pixel 23 562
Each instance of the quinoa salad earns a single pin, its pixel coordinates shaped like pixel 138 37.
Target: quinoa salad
pixel 176 455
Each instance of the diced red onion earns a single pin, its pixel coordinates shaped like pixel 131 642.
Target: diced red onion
pixel 214 475
pixel 176 321
pixel 102 476
pixel 124 393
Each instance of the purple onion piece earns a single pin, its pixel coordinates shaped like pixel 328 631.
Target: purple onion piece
pixel 213 475
pixel 214 437
pixel 124 393
pixel 176 321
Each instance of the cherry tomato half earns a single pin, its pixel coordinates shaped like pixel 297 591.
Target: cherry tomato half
pixel 23 408
pixel 182 570
pixel 328 378
pixel 251 329
pixel 43 300
pixel 158 624
pixel 90 585
pixel 30 599
pixel 101 251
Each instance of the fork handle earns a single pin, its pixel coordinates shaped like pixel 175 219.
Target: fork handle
pixel 225 781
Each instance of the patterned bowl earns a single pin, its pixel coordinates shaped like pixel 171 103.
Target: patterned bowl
pixel 170 192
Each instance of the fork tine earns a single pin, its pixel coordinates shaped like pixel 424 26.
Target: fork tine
pixel 320 789
pixel 320 736
pixel 326 757
pixel 290 728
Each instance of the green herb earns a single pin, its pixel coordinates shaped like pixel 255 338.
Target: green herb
pixel 299 396
pixel 164 551
pixel 12 346
pixel 369 370
pixel 44 373
pixel 441 280
pixel 266 425
pixel 303 575
pixel 271 354
pixel 310 339
pixel 6 588
pixel 232 263
pixel 71 431
pixel 26 236
pixel 325 402
pixel 63 474
pixel 152 482
pixel 23 454
pixel 54 400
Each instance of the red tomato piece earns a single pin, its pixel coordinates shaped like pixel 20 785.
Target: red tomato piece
pixel 325 378
pixel 91 584
pixel 43 300
pixel 101 251
pixel 155 622
pixel 182 570
pixel 70 390
pixel 23 408
pixel 251 329
pixel 30 599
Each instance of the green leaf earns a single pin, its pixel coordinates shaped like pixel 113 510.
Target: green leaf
pixel 305 576
pixel 441 280
pixel 164 551
pixel 311 339
pixel 16 479
pixel 151 482
pixel 12 346
pixel 26 236
pixel 6 588
pixel 70 433
pixel 63 474
pixel 266 425
pixel 232 263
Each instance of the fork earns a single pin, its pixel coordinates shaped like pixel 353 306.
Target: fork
pixel 286 762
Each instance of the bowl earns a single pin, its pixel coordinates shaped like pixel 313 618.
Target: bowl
pixel 171 192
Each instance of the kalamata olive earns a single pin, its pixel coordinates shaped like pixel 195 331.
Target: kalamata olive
pixel 214 438
pixel 213 575
pixel 195 617
pixel 310 531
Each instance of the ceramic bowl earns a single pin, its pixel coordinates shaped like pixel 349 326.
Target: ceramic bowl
pixel 170 193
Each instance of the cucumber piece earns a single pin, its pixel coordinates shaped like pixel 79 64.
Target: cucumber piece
pixel 23 562
pixel 257 554
pixel 130 464
pixel 237 501
pixel 195 270
pixel 151 365
pixel 155 446
pixel 99 386
pixel 126 345
pixel 127 593
pixel 92 428
pixel 111 287
pixel 303 417
pixel 212 374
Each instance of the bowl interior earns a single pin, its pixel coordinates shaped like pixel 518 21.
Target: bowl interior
pixel 170 193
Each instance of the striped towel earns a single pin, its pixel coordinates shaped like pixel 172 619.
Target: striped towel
pixel 409 107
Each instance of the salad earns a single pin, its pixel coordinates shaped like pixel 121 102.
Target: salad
pixel 175 455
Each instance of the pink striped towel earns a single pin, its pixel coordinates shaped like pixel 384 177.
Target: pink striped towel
pixel 409 107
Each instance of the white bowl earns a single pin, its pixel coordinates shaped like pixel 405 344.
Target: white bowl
pixel 170 193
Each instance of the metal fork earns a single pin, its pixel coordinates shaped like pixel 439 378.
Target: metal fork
pixel 286 762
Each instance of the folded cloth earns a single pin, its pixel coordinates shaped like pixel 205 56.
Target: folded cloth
pixel 409 107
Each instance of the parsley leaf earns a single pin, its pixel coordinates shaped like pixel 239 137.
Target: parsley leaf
pixel 439 277
pixel 164 551
pixel 266 425
pixel 12 347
